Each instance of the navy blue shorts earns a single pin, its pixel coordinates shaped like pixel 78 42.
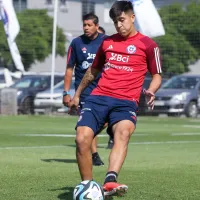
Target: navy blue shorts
pixel 98 110
pixel 81 105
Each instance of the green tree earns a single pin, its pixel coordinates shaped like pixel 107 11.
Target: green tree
pixel 181 44
pixel 34 40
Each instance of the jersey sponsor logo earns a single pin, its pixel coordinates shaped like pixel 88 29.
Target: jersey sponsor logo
pixel 131 49
pixel 84 50
pixel 85 64
pixel 91 56
pixel 119 58
pixel 108 65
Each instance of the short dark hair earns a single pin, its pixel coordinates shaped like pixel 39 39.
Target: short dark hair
pixel 118 7
pixel 91 16
pixel 102 29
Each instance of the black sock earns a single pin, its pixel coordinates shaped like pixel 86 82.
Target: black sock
pixel 95 155
pixel 111 177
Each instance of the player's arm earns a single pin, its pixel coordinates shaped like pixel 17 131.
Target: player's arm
pixel 92 71
pixel 89 76
pixel 155 83
pixel 67 84
pixel 71 58
pixel 155 68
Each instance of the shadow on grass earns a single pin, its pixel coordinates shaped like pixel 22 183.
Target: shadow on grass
pixel 73 145
pixel 59 160
pixel 67 193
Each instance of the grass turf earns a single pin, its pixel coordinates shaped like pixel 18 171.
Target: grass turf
pixel 163 159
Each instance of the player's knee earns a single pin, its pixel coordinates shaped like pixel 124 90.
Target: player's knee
pixel 124 135
pixel 83 140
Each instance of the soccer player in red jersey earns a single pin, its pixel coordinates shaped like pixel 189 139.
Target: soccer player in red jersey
pixel 124 59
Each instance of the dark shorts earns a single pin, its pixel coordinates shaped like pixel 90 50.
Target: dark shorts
pixel 98 110
pixel 81 105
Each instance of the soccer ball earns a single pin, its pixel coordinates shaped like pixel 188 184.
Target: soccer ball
pixel 88 190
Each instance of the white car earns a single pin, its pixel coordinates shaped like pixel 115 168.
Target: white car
pixel 44 104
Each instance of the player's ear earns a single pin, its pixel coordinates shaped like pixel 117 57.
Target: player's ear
pixel 133 17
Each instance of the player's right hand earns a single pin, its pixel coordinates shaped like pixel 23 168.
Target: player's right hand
pixel 66 100
pixel 150 98
pixel 73 104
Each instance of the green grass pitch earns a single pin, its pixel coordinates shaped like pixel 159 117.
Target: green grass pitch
pixel 37 159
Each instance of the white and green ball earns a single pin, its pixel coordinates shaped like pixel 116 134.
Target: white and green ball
pixel 88 190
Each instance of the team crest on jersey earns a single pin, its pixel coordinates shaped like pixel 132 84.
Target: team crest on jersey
pixel 84 50
pixel 131 49
pixel 85 64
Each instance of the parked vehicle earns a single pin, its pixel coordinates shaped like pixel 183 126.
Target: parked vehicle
pixel 179 95
pixel 43 103
pixel 143 108
pixel 29 86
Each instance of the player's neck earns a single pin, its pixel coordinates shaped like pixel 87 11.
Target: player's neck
pixel 94 36
pixel 132 33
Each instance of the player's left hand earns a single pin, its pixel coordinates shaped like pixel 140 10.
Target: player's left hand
pixel 150 98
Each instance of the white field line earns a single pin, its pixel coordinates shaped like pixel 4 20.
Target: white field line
pixel 161 142
pixel 131 143
pixel 182 134
pixel 194 120
pixel 101 135
pixel 191 126
pixel 32 147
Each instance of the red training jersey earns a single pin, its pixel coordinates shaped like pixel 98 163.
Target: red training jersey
pixel 125 63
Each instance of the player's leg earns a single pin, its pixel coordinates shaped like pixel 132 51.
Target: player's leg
pixel 84 138
pixel 110 143
pixel 122 133
pixel 94 145
pixel 122 121
pixel 91 119
pixel 96 160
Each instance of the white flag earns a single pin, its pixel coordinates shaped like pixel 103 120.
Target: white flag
pixel 16 56
pixel 8 15
pixel 11 27
pixel 148 19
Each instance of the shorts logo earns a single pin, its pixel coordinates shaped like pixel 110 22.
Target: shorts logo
pixel 84 109
pixel 134 116
pixel 132 113
pixel 131 49
pixel 80 118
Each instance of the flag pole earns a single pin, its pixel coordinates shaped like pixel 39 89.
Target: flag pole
pixel 54 47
